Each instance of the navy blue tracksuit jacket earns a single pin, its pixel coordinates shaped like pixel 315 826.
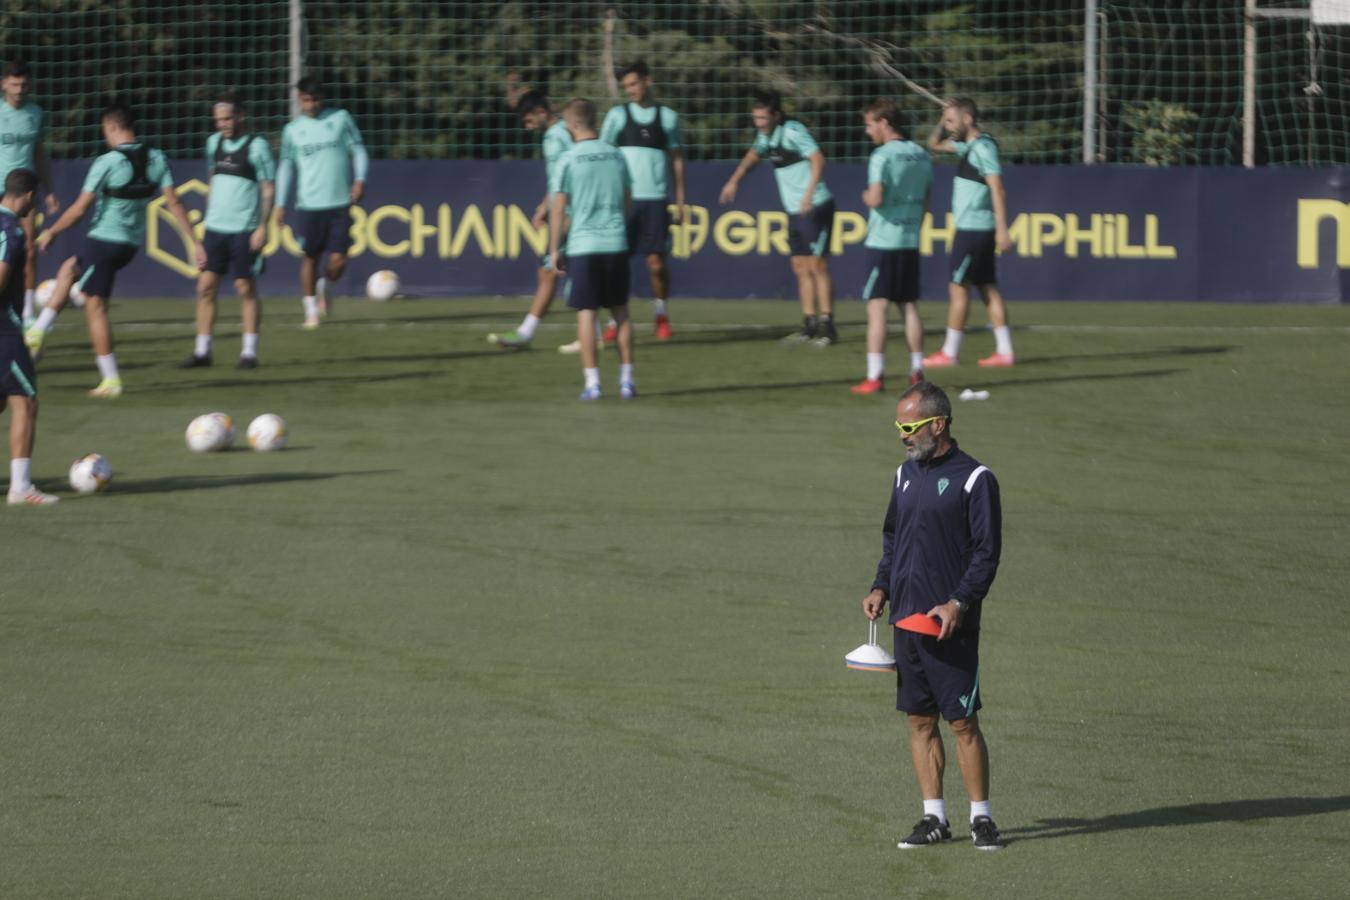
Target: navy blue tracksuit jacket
pixel 942 537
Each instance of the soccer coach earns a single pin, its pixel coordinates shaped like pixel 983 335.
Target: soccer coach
pixel 940 552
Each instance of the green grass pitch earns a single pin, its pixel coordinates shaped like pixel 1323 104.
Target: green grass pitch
pixel 470 637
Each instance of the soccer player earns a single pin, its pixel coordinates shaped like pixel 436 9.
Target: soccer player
pixel 798 167
pixel 120 185
pixel 238 203
pixel 322 150
pixel 21 148
pixel 980 206
pixel 899 176
pixel 593 196
pixel 535 115
pixel 940 548
pixel 648 135
pixel 17 377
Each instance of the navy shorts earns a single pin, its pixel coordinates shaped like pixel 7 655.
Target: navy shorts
pixel 894 276
pixel 810 235
pixel 972 258
pixel 935 676
pixel 18 376
pixel 230 254
pixel 321 231
pixel 100 261
pixel 649 227
pixel 597 280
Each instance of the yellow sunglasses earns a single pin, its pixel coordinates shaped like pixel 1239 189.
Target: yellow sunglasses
pixel 908 428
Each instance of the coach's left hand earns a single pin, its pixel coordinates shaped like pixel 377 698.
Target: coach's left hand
pixel 1003 241
pixel 358 191
pixel 258 238
pixel 950 616
pixel 808 204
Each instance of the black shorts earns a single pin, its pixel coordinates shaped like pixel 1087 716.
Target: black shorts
pixel 230 254
pixel 972 258
pixel 935 676
pixel 18 376
pixel 894 276
pixel 649 227
pixel 100 261
pixel 810 235
pixel 597 280
pixel 321 231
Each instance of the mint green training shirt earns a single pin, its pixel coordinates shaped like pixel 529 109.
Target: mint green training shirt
pixel 118 220
pixel 905 172
pixel 321 148
pixel 792 138
pixel 972 204
pixel 557 141
pixel 648 167
pixel 20 133
pixel 234 204
pixel 594 177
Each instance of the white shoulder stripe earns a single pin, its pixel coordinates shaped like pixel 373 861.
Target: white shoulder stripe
pixel 898 470
pixel 974 477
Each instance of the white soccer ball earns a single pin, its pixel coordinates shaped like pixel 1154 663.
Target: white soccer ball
pixel 267 432
pixel 90 474
pixel 48 287
pixel 210 432
pixel 382 286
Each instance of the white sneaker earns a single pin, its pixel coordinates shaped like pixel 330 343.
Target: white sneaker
pixel 32 497
pixel 574 347
pixel 321 288
pixel 310 323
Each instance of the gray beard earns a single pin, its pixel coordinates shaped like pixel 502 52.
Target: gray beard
pixel 922 450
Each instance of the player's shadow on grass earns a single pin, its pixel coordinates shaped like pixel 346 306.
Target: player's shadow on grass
pixel 767 335
pixel 174 483
pixel 1158 353
pixel 1185 815
pixel 1065 379
pixel 194 385
pixel 734 388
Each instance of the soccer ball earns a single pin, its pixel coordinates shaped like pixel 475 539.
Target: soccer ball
pixel 382 286
pixel 48 287
pixel 267 432
pixel 210 432
pixel 90 474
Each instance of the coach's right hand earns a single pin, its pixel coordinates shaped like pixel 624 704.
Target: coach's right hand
pixel 874 603
pixel 728 192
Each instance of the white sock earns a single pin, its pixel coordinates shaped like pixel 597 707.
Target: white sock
pixel 250 347
pixel 952 345
pixel 592 377
pixel 937 808
pixel 613 323
pixel 979 808
pixel 203 345
pixel 107 365
pixel 45 319
pixel 876 365
pixel 321 287
pixel 311 305
pixel 1003 339
pixel 625 373
pixel 528 327
pixel 659 307
pixel 19 479
pixel 29 299
pixel 916 361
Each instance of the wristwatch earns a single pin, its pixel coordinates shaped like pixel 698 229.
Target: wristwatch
pixel 961 606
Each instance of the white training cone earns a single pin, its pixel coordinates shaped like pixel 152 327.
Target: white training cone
pixel 870 657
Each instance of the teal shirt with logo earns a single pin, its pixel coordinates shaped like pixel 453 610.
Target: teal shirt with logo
pixel 557 141
pixel 234 204
pixel 972 204
pixel 118 220
pixel 793 137
pixel 20 132
pixel 648 167
pixel 905 172
pixel 321 147
pixel 595 178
